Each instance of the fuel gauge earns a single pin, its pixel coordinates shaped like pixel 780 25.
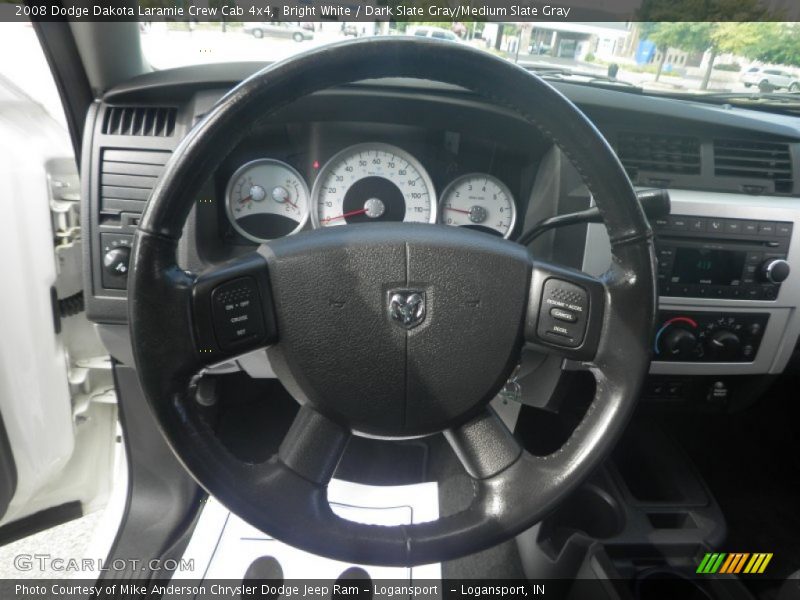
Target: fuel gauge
pixel 266 199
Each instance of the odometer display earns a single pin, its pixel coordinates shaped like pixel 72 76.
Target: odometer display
pixel 370 183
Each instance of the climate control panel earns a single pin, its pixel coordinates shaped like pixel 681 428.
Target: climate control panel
pixel 708 336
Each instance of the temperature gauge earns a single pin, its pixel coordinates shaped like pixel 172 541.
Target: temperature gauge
pixel 481 202
pixel 266 199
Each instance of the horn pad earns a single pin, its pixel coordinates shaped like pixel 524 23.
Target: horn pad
pixel 397 330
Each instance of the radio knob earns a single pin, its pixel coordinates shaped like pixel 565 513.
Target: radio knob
pixel 679 343
pixel 775 270
pixel 724 345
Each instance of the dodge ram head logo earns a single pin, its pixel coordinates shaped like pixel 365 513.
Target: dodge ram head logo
pixel 407 307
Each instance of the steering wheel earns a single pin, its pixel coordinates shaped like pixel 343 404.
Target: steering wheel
pixel 390 330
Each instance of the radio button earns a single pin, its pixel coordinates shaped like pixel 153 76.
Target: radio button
pixel 753 293
pixel 754 258
pixel 769 292
pixel 765 228
pixel 783 229
pixel 733 227
pixel 678 223
pixel 697 224
pixel 750 227
pixel 661 223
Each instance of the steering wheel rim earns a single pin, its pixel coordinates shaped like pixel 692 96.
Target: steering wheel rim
pixel 286 496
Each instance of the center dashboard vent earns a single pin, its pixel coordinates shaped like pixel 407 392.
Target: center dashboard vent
pixel 152 121
pixel 761 160
pixel 658 153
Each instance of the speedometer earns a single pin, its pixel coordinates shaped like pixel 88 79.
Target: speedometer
pixel 372 183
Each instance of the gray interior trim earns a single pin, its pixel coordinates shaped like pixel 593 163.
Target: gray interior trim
pixel 121 58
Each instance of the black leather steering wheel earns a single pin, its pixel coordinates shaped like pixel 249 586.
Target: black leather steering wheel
pixel 322 302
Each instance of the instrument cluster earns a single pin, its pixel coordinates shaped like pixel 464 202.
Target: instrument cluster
pixel 369 182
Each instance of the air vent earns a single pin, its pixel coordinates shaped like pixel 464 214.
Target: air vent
pixel 126 179
pixel 156 121
pixel 755 160
pixel 657 153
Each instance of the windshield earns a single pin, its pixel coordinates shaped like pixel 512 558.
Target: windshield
pixel 657 57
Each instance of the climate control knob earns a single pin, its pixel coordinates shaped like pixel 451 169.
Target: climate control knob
pixel 724 345
pixel 775 270
pixel 679 343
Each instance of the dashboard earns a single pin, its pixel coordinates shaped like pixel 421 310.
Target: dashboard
pixel 405 150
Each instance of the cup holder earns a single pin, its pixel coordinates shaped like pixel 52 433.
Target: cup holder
pixel 662 583
pixel 590 510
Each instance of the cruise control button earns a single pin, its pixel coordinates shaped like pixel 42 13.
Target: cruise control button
pixel 236 310
pixel 563 315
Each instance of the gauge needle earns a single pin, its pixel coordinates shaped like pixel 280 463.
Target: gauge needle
pixel 466 212
pixel 245 199
pixel 352 213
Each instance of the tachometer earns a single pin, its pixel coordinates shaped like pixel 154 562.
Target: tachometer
pixel 266 199
pixel 372 183
pixel 479 201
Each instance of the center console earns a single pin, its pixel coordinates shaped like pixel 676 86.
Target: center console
pixel 727 295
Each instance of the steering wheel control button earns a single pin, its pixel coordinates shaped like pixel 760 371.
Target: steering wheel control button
pixel 236 311
pixel 563 315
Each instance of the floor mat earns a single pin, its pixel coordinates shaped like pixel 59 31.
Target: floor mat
pixel 225 547
pixel 751 462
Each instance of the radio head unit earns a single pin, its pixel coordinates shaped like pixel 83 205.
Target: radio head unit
pixel 705 257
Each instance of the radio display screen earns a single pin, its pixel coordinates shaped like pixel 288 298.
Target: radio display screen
pixel 700 265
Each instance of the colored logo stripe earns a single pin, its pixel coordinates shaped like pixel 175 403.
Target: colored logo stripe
pixel 711 562
pixel 758 563
pixel 733 563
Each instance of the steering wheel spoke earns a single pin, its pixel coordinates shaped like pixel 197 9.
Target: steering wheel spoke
pixel 232 309
pixel 565 311
pixel 484 445
pixel 313 446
